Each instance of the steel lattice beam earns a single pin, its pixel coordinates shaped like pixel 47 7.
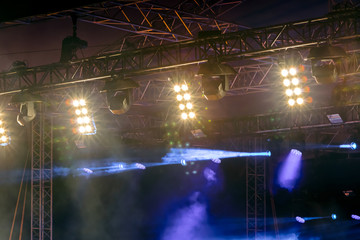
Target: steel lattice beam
pixel 248 43
pixel 41 176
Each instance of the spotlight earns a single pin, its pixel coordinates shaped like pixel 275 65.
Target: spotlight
pixel 323 62
pixel 177 88
pixel 300 101
pixel 4 137
pixel 292 71
pixel 215 80
pixel 289 92
pixel 119 94
pixel 293 86
pixel 355 217
pixel 286 82
pixel 284 72
pixel 27 106
pixel 300 219
pixel 333 216
pixel 183 96
pixel 86 124
pixel 291 102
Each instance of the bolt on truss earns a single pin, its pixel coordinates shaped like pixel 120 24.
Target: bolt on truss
pixel 41 176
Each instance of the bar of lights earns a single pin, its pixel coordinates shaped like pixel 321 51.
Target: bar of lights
pixel 292 84
pixel 185 105
pixel 84 121
pixel 4 137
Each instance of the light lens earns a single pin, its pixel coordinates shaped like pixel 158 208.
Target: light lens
pixel 297 91
pixel 182 106
pixel 284 72
pixel 189 106
pixel 3 139
pixel 187 96
pixel 191 115
pixel 184 87
pixel 291 102
pixel 300 101
pixel 179 97
pixel 292 71
pixel 286 82
pixel 184 116
pixel 82 102
pixel 289 92
pixel 76 103
pixel 2 130
pixel 177 88
pixel 295 81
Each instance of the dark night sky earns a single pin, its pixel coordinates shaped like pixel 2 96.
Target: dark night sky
pixel 159 202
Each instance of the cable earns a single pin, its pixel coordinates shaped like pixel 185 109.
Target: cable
pixel 23 213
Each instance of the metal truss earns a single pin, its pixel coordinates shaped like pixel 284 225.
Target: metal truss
pixel 41 176
pixel 227 47
pixel 153 22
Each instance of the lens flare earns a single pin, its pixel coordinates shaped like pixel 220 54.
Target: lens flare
pixel 284 72
pixel 177 88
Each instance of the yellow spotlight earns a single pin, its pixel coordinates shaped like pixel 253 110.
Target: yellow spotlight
pixel 179 97
pixel 80 120
pixel 292 71
pixel 291 102
pixel 86 120
pixel 84 111
pixel 187 96
pixel 189 106
pixel 284 72
pixel 297 91
pixel 182 106
pixel 184 87
pixel 82 129
pixel 77 111
pixel 295 81
pixel 88 128
pixel 286 82
pixel 4 139
pixel 82 102
pixel 300 101
pixel 177 88
pixel 289 92
pixel 2 130
pixel 191 114
pixel 184 116
pixel 76 103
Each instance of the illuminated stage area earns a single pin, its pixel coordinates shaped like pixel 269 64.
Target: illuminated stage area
pixel 180 120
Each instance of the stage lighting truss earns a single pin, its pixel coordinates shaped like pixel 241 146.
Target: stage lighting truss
pixel 293 83
pixel 83 118
pixel 4 137
pixel 185 104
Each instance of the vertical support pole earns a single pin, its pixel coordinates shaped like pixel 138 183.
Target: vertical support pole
pixel 41 175
pixel 255 193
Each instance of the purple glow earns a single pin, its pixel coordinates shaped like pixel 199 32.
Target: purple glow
pixel 355 217
pixel 209 175
pixel 300 219
pixel 140 166
pixel 290 170
pixel 216 160
pixel 87 170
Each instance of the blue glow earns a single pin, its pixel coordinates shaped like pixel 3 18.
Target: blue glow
pixel 290 170
pixel 140 166
pixel 216 160
pixel 197 154
pixel 300 219
pixel 352 146
pixel 355 217
pixel 183 162
pixel 333 216
pixel 88 170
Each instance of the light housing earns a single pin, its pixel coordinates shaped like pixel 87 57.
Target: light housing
pixel 27 111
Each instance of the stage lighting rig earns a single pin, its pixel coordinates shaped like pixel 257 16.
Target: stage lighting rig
pixel 292 81
pixel 71 44
pixel 27 101
pixel 83 118
pixel 324 61
pixel 183 97
pixel 119 94
pixel 4 136
pixel 215 78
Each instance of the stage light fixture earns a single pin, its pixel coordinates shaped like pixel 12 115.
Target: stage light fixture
pixel 333 216
pixel 27 102
pixel 215 78
pixel 4 136
pixel 355 217
pixel 292 84
pixel 119 94
pixel 300 219
pixel 323 62
pixel 183 97
pixel 84 121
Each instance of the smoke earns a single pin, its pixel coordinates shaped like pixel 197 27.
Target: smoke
pixel 189 222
